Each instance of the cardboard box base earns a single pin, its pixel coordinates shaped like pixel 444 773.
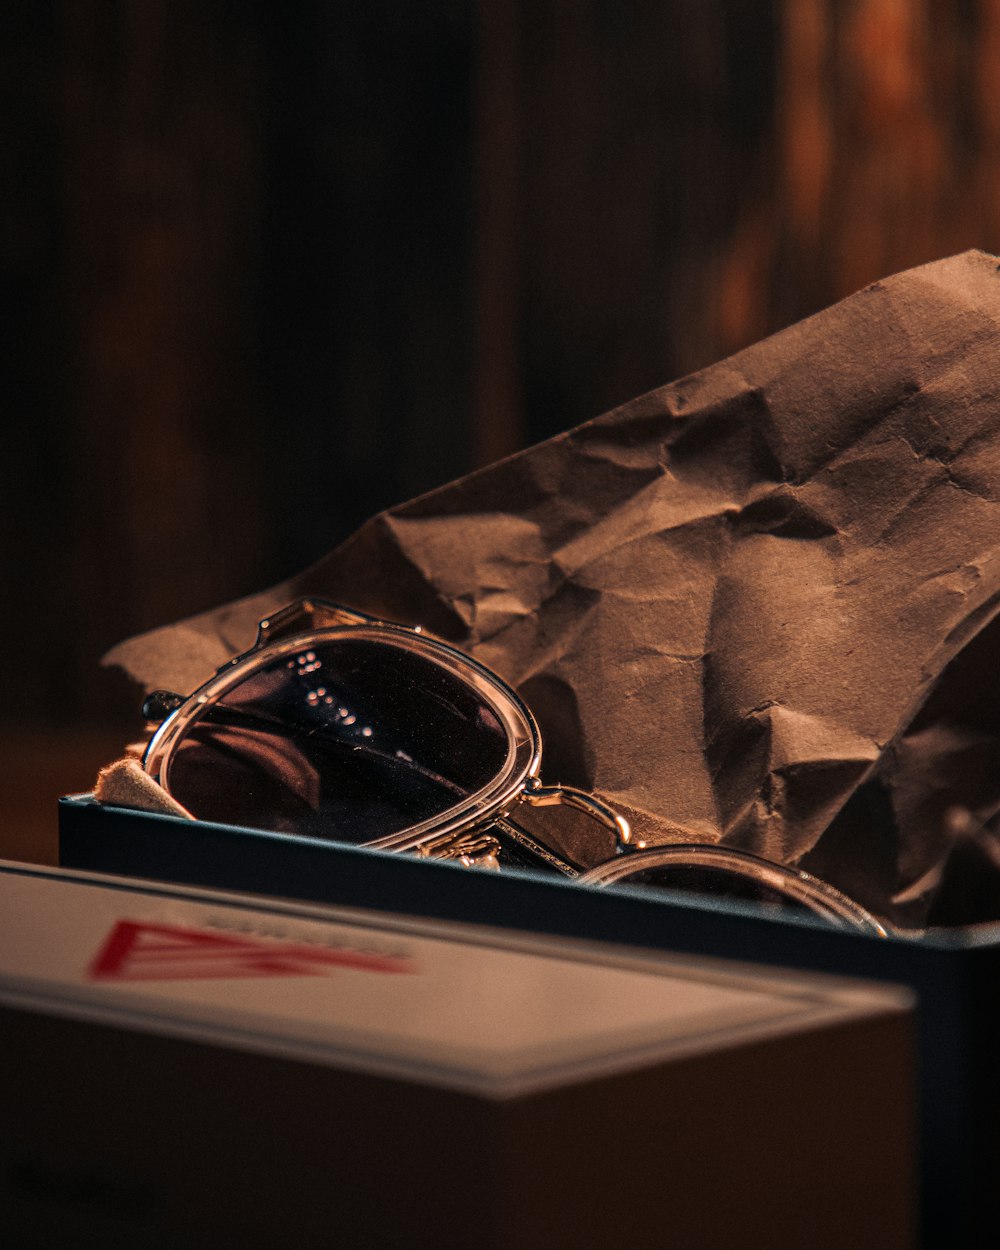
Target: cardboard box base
pixel 146 1110
pixel 954 975
pixel 134 1140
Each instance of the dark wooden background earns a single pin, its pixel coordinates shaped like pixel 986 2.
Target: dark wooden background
pixel 270 268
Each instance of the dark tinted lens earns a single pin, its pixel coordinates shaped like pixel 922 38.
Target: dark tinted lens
pixel 348 739
pixel 715 882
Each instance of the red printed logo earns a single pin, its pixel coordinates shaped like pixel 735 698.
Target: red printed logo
pixel 137 951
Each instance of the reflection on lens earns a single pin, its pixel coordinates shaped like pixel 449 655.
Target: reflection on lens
pixel 348 738
pixel 721 873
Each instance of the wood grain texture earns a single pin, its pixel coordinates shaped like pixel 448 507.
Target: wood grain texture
pixel 271 271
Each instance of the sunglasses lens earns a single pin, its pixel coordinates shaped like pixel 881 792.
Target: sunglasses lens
pixel 348 738
pixel 725 873
pixel 715 882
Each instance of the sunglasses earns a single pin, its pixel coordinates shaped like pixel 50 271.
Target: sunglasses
pixel 339 726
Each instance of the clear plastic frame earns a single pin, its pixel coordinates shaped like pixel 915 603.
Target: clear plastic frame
pixel 338 726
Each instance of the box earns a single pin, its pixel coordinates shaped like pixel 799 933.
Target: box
pixel 954 975
pixel 188 1068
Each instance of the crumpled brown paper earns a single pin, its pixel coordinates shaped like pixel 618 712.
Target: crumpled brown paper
pixel 730 602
